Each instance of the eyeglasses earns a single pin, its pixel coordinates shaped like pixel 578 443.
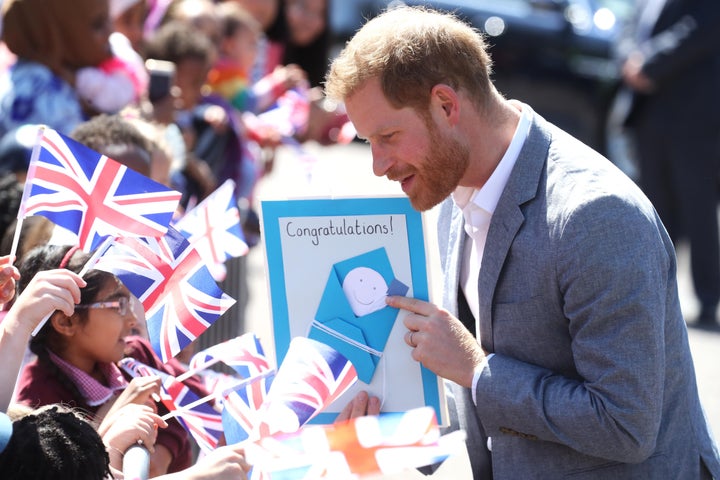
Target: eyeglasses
pixel 122 304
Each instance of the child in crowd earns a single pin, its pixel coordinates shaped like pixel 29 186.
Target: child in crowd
pixel 126 41
pixel 55 442
pixel 76 351
pixel 52 43
pixel 200 14
pixel 78 347
pixel 213 134
pixel 237 48
pixel 118 139
pixel 231 78
pixel 47 292
pixel 51 443
pixel 60 290
pixel 265 13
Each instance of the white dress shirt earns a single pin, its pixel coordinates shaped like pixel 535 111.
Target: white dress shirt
pixel 478 206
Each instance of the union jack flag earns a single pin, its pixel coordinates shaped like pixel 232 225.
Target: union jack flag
pixel 91 195
pixel 136 368
pixel 244 354
pixel 201 420
pixel 213 228
pixel 215 382
pixel 385 444
pixel 241 406
pixel 180 297
pixel 311 377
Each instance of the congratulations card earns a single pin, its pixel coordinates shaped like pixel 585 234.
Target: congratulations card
pixel 330 265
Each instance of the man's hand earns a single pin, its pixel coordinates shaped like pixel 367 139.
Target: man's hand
pixel 439 341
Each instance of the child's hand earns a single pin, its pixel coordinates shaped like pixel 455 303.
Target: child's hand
pixel 48 291
pixel 227 462
pixel 130 425
pixel 9 274
pixel 140 391
pixel 361 405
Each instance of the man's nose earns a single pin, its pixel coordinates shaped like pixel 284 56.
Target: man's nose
pixel 381 161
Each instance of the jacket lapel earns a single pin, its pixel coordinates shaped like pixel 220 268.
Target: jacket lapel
pixel 522 187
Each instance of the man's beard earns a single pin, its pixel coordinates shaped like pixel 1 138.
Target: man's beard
pixel 440 171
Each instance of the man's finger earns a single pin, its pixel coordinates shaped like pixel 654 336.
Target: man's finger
pixel 411 304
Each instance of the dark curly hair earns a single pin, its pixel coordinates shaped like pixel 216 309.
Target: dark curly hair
pixel 51 443
pixel 103 130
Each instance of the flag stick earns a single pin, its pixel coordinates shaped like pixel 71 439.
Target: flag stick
pixel 199 401
pixel 200 368
pixel 26 192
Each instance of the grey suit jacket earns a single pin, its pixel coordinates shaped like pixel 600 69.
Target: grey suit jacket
pixel 592 375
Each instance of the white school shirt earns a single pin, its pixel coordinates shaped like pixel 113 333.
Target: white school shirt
pixel 478 206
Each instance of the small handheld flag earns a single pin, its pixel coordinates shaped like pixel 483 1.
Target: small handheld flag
pixel 91 195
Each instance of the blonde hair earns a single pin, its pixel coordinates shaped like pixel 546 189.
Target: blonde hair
pixel 410 50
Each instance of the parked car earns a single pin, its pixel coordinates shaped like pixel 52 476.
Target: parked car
pixel 556 55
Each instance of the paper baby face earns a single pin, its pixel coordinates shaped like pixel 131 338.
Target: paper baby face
pixel 365 290
pixel 359 331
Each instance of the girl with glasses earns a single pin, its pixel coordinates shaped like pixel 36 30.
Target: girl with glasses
pixel 89 331
pixel 77 349
pixel 77 353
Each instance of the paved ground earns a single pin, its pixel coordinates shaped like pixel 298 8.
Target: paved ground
pixel 346 170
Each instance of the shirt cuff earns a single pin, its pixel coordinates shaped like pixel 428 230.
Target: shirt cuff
pixel 476 375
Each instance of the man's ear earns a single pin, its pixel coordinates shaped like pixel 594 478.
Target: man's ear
pixel 63 324
pixel 445 101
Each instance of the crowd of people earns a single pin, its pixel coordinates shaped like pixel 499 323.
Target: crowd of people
pixel 197 73
pixel 173 90
pixel 560 334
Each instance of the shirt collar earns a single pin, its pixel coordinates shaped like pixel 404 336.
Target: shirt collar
pixel 487 197
pixel 94 393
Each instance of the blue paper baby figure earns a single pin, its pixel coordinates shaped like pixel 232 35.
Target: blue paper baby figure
pixel 352 316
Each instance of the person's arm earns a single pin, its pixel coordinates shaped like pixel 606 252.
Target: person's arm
pixel 582 360
pixel 692 39
pixel 48 291
pixel 579 332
